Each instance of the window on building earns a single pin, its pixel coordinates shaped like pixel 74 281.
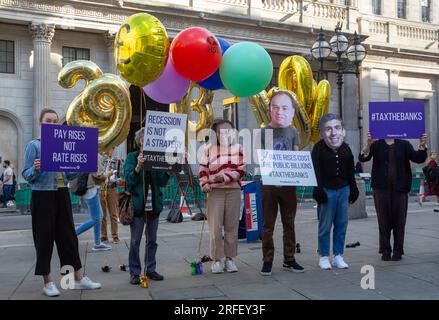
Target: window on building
pixel 341 2
pixel 376 6
pixel 425 10
pixel 401 9
pixel 7 56
pixel 70 54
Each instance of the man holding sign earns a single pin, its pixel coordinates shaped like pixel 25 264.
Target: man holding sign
pixel 334 168
pixel 284 137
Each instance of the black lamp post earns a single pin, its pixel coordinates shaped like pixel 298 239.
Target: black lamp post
pixel 339 46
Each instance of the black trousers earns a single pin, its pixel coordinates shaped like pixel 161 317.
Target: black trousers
pixel 52 221
pixel 391 207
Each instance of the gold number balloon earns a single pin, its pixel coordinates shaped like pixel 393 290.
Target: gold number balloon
pixel 295 74
pixel 321 106
pixel 104 104
pixel 201 104
pixel 141 49
pixel 312 100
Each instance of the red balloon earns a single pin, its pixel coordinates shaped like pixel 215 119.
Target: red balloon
pixel 195 53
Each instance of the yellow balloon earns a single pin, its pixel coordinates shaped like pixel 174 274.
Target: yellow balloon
pixel 104 104
pixel 201 104
pixel 141 49
pixel 259 104
pixel 321 107
pixel 287 76
pixel 76 70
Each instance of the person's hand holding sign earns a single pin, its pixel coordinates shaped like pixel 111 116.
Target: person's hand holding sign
pixel 423 142
pixel 366 148
pixel 140 161
pixel 37 164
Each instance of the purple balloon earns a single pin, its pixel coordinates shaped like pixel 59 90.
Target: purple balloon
pixel 169 87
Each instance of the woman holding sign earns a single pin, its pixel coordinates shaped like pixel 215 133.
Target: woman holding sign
pixel 391 183
pixel 144 185
pixel 221 169
pixel 52 219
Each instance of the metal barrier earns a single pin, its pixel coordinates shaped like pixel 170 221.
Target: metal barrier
pixel 23 192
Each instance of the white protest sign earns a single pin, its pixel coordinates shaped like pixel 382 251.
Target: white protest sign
pixel 286 168
pixel 164 140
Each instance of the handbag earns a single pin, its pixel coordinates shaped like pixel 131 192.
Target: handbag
pixel 79 184
pixel 125 208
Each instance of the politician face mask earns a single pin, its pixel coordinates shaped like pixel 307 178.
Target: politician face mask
pixel 281 111
pixel 333 134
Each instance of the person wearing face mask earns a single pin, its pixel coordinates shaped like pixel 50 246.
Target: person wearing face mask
pixel 335 172
pixel 221 168
pixel 52 219
pixel 279 135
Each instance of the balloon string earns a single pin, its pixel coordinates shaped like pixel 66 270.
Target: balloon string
pixel 141 147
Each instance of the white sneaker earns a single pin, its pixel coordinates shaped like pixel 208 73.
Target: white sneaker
pixel 101 247
pixel 230 265
pixel 338 262
pixel 50 290
pixel 86 284
pixel 217 267
pixel 324 263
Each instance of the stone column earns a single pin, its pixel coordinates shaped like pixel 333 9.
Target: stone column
pixel 394 85
pixel 42 35
pixel 120 152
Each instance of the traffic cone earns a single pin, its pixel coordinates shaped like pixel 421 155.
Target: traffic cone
pixel 183 207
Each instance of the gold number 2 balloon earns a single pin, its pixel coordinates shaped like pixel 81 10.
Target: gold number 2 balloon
pixel 104 103
pixel 201 104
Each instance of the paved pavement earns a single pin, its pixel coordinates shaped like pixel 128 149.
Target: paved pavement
pixel 415 277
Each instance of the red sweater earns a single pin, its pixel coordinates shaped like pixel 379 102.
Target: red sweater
pixel 227 162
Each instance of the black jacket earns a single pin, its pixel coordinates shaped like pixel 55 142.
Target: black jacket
pixel 334 170
pixel 404 153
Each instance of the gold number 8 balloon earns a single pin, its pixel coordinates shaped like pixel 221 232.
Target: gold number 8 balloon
pixel 104 103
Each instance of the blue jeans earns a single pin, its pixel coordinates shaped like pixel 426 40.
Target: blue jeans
pixel 335 211
pixel 7 192
pixel 136 228
pixel 95 221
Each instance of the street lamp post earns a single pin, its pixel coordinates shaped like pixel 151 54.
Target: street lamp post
pixel 338 45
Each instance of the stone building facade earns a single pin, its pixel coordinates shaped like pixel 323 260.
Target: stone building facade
pixel 37 37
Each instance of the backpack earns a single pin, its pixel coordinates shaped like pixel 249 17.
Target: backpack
pixel 79 184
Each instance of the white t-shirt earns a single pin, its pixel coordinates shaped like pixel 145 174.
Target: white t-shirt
pixel 8 173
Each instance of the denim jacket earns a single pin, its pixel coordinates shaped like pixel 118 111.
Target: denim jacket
pixel 42 181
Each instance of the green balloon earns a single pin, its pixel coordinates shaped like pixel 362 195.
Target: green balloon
pixel 246 69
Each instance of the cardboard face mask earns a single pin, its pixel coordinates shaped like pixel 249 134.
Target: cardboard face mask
pixel 281 111
pixel 333 134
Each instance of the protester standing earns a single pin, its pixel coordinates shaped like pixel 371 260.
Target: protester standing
pixel 52 219
pixel 391 184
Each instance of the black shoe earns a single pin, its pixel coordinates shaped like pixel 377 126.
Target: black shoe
pixel 385 256
pixel 293 266
pixel 396 257
pixel 154 276
pixel 266 268
pixel 134 279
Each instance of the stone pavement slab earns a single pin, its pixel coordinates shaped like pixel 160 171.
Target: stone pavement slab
pixel 415 277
